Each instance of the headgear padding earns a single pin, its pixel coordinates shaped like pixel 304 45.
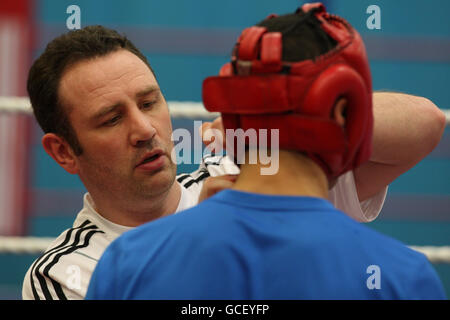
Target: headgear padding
pixel 258 90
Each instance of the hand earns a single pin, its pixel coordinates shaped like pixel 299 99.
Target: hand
pixel 213 134
pixel 212 185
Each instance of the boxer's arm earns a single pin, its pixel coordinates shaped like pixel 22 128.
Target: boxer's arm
pixel 406 129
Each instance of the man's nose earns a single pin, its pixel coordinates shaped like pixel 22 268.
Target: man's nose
pixel 141 128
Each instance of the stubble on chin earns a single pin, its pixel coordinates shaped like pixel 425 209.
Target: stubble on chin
pixel 155 183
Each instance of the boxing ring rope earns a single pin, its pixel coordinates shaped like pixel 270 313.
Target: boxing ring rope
pixel 189 110
pixel 24 245
pixel 447 116
pixel 38 245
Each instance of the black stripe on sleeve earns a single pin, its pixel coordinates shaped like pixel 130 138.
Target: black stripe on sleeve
pixel 212 163
pixel 56 285
pixel 209 160
pixel 204 175
pixel 86 225
pixel 48 253
pixel 183 177
pixel 38 273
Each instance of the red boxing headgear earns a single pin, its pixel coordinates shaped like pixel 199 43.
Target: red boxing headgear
pixel 252 92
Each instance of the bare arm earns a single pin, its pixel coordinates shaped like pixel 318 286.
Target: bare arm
pixel 407 128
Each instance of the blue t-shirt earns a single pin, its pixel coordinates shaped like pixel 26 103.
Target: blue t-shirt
pixel 238 245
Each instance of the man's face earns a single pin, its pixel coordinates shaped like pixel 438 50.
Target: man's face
pixel 121 119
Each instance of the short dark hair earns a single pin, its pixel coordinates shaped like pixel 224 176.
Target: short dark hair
pixel 303 37
pixel 46 72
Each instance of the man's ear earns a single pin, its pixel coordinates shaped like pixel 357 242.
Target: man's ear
pixel 339 111
pixel 60 151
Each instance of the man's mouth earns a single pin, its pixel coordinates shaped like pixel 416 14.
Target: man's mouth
pixel 150 157
pixel 156 156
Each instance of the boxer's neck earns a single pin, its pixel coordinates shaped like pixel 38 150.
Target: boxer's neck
pixel 297 175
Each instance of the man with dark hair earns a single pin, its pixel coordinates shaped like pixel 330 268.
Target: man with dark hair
pixel 277 236
pixel 46 73
pixel 106 119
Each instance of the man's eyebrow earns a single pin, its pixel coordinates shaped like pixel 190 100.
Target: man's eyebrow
pixel 104 111
pixel 147 91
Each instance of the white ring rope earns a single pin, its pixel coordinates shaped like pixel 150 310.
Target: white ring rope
pixel 24 245
pixel 37 245
pixel 435 254
pixel 190 110
pixel 447 116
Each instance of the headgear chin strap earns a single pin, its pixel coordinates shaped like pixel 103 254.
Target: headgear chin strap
pixel 258 90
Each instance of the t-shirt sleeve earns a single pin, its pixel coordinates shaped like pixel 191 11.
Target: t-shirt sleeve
pixel 220 165
pixel 210 166
pixel 345 198
pixel 58 278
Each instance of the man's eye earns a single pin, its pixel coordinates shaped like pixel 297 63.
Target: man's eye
pixel 148 104
pixel 112 121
